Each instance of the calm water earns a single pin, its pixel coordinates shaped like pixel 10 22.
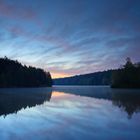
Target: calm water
pixel 70 113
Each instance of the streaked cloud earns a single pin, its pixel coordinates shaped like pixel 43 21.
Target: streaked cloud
pixel 70 37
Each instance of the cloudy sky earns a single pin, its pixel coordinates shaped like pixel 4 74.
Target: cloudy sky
pixel 70 37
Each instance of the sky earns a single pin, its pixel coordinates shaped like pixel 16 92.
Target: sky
pixel 70 37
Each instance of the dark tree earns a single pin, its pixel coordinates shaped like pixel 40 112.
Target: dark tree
pixel 127 77
pixel 14 74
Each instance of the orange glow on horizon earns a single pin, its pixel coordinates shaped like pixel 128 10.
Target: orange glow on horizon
pixel 57 94
pixel 59 75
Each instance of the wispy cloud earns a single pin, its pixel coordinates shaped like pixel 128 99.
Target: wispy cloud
pixel 70 37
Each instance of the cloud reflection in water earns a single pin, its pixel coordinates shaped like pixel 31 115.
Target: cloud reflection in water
pixel 69 116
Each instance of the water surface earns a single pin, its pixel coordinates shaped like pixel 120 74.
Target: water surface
pixel 70 113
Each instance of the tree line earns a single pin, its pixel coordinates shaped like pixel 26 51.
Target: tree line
pixel 97 78
pixel 14 74
pixel 128 76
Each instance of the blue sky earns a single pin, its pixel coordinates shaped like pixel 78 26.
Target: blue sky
pixel 70 37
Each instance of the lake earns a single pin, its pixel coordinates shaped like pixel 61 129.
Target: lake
pixel 70 113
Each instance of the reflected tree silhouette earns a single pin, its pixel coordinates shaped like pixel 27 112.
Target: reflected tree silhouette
pixel 13 100
pixel 127 100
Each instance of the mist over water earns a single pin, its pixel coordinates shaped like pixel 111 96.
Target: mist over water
pixel 70 112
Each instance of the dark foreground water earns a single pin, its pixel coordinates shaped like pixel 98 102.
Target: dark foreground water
pixel 69 113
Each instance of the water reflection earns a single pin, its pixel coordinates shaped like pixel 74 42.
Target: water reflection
pixel 13 100
pixel 126 99
pixel 85 113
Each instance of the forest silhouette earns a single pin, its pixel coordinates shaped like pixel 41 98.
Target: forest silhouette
pixel 127 76
pixel 14 74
